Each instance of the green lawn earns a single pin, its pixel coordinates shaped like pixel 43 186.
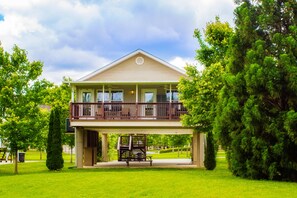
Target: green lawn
pixel 35 180
pixel 170 155
pixel 33 155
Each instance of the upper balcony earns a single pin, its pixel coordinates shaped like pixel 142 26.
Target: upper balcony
pixel 116 111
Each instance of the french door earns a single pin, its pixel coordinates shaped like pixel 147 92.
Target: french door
pixel 149 96
pixel 87 97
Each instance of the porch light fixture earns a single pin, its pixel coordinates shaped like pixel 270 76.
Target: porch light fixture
pixel 132 92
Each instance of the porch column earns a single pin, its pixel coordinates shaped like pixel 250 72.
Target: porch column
pixel 170 93
pixel 104 147
pixel 103 93
pixel 136 93
pixel 79 145
pixel 72 94
pixel 198 149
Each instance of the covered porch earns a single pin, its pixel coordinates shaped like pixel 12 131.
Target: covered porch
pixel 125 101
pixel 86 148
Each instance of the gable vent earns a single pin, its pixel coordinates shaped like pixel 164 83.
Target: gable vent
pixel 139 60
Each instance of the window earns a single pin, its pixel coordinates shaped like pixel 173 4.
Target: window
pixel 86 97
pixel 174 95
pixel 100 96
pixel 110 96
pixel 117 96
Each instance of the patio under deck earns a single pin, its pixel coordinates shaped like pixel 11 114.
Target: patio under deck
pixel 157 163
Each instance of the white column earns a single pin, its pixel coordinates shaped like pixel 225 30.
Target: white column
pixel 198 149
pixel 72 94
pixel 79 146
pixel 170 93
pixel 103 93
pixel 104 147
pixel 136 93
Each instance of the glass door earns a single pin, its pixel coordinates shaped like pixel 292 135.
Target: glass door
pixel 149 96
pixel 86 98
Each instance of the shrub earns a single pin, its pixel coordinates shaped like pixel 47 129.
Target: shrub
pixel 210 154
pixel 54 149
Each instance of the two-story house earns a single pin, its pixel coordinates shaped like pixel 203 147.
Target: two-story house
pixel 136 94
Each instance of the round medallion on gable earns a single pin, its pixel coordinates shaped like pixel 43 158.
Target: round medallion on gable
pixel 139 60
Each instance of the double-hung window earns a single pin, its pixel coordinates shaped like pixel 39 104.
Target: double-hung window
pixel 173 95
pixel 111 96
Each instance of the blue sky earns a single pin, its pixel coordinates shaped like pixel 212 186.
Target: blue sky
pixel 76 37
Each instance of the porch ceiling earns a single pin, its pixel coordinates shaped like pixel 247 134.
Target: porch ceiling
pixel 119 82
pixel 139 127
pixel 128 124
pixel 167 131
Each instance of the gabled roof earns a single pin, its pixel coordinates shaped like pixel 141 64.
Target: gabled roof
pixel 120 60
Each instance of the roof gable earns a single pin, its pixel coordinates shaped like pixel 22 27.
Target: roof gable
pixel 138 66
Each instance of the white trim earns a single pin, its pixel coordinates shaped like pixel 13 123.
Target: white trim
pixel 103 91
pixel 170 90
pixel 136 99
pixel 123 82
pixel 72 94
pixel 139 51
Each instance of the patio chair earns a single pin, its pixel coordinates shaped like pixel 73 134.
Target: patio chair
pixel 125 113
pixel 99 112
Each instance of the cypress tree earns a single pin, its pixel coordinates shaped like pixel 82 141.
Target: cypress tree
pixel 50 140
pixel 54 148
pixel 210 154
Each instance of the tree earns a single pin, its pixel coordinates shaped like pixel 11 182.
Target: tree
pixel 20 96
pixel 54 159
pixel 41 121
pixel 179 141
pixel 70 141
pixel 210 154
pixel 256 113
pixel 59 96
pixel 200 90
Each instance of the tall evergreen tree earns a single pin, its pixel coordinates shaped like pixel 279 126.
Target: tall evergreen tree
pixel 257 110
pixel 49 147
pixel 210 154
pixel 54 148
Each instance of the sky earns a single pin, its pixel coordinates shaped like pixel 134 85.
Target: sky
pixel 75 37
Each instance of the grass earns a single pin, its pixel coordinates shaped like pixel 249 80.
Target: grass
pixel 35 180
pixel 170 155
pixel 33 155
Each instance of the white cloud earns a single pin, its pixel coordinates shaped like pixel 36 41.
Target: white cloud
pixel 56 76
pixel 77 59
pixel 80 35
pixel 182 62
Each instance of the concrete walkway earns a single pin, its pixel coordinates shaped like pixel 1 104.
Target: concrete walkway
pixel 157 163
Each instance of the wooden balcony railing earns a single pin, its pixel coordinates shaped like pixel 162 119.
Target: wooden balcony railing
pixel 126 111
